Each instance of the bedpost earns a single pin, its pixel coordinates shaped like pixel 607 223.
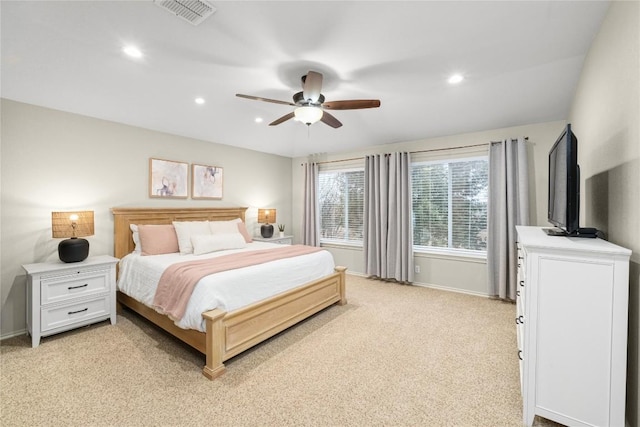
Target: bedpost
pixel 343 284
pixel 215 343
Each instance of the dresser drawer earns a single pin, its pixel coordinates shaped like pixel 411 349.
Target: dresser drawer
pixel 70 314
pixel 63 288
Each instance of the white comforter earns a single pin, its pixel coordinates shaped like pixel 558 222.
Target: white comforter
pixel 229 290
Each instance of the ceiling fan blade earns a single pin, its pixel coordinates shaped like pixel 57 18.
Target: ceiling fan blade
pixel 282 119
pixel 330 120
pixel 352 104
pixel 312 86
pixel 257 98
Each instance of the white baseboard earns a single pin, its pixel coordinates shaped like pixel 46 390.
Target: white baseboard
pixel 450 289
pixel 353 273
pixel 428 285
pixel 13 334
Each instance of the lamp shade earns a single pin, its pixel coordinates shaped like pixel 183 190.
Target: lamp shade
pixel 265 216
pixel 308 115
pixel 62 224
pixel 72 224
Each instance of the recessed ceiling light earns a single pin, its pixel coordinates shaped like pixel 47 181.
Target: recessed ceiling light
pixel 199 101
pixel 456 78
pixel 258 120
pixel 132 51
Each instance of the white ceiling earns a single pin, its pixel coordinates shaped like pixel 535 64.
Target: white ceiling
pixel 521 61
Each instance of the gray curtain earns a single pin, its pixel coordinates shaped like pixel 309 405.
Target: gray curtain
pixel 310 228
pixel 508 207
pixel 388 239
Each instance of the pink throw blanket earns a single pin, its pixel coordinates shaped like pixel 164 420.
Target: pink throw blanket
pixel 178 280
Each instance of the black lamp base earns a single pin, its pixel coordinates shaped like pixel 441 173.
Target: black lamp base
pixel 266 231
pixel 73 250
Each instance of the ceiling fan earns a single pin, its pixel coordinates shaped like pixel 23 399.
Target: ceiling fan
pixel 310 104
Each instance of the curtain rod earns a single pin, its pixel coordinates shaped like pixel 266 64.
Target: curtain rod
pixel 414 152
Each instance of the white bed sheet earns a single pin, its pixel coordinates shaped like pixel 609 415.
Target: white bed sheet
pixel 229 290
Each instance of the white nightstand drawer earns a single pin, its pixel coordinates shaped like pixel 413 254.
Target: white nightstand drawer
pixel 284 240
pixel 60 316
pixel 64 288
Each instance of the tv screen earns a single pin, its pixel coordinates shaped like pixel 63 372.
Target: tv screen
pixel 564 183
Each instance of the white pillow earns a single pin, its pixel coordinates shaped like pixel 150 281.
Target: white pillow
pixel 136 238
pixel 205 243
pixel 218 227
pixel 228 227
pixel 185 230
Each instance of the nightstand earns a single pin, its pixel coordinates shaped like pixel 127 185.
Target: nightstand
pixel 63 296
pixel 284 240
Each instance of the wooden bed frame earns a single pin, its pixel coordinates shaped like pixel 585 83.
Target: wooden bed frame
pixel 227 334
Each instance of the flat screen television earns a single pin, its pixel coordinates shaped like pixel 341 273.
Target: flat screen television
pixel 564 184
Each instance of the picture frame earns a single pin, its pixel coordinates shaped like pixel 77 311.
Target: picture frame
pixel 168 179
pixel 207 182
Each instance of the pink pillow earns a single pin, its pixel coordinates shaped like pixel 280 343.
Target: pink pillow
pixel 158 239
pixel 243 230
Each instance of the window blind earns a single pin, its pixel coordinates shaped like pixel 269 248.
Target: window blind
pixel 341 204
pixel 450 203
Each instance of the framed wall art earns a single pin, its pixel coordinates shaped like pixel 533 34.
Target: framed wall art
pixel 168 179
pixel 206 182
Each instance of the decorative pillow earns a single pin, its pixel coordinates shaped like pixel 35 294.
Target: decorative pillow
pixel 186 229
pixel 158 239
pixel 231 226
pixel 136 238
pixel 218 227
pixel 205 243
pixel 243 230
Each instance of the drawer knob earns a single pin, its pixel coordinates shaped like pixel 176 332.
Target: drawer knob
pixel 79 286
pixel 78 311
pixel 520 354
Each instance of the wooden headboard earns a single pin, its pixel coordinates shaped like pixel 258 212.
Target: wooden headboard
pixel 124 217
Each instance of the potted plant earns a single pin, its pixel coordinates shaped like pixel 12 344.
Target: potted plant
pixel 281 229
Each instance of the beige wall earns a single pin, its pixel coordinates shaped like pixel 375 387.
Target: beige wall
pixel 53 160
pixel 606 119
pixel 454 273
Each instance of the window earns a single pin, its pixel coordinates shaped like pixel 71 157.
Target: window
pixel 341 205
pixel 450 204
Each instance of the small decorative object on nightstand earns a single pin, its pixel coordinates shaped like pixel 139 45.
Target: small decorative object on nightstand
pixel 265 216
pixel 281 230
pixel 66 296
pixel 73 225
pixel 282 240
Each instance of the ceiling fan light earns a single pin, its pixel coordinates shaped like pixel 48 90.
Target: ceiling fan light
pixel 308 115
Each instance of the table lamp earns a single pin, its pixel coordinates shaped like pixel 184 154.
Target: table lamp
pixel 72 225
pixel 266 216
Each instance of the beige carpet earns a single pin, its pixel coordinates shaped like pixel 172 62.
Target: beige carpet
pixel 394 356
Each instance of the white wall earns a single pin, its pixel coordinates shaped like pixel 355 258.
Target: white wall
pixel 606 119
pixel 52 160
pixel 454 273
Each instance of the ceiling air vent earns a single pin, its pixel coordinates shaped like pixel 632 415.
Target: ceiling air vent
pixel 193 11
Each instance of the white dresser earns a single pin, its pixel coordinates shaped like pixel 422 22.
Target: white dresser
pixel 572 305
pixel 63 296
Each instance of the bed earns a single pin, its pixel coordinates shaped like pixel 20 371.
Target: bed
pixel 226 334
